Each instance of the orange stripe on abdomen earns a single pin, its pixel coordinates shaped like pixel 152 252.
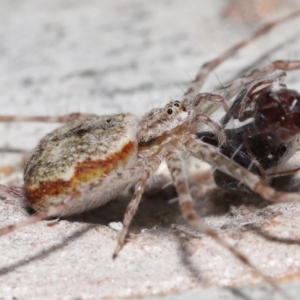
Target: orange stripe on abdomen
pixel 84 172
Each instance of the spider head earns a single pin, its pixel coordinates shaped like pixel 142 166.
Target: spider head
pixel 160 121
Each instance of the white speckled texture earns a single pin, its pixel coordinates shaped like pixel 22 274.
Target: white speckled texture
pixel 106 57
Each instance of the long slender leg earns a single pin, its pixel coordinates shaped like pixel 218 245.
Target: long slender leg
pixel 52 211
pixel 205 70
pixel 217 128
pixel 176 168
pixel 211 155
pixel 252 156
pixel 237 110
pixel 14 192
pixel 283 173
pixel 131 209
pixel 57 119
pixel 235 86
pixel 208 97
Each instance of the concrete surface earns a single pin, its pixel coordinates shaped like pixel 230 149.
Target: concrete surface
pixel 116 56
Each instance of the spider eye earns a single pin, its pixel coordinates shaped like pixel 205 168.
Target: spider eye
pixel 170 111
pixel 176 104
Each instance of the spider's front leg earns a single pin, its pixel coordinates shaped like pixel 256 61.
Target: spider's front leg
pixel 265 71
pixel 212 155
pixel 177 170
pixel 246 96
pixel 216 127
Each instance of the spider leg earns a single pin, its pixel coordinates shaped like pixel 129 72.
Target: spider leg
pixel 57 119
pixel 205 70
pixel 52 211
pixel 203 97
pixel 217 128
pixel 235 86
pixel 283 173
pixel 131 209
pixel 237 110
pixel 14 192
pixel 176 168
pixel 200 101
pixel 211 155
pixel 252 156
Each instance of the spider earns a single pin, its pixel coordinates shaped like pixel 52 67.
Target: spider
pixel 128 149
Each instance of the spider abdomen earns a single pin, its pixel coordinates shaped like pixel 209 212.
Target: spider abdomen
pixel 78 154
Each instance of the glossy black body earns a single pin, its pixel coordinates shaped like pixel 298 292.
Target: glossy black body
pixel 267 155
pixel 269 136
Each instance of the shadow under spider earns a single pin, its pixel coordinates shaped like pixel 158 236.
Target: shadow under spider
pixel 154 209
pixel 238 212
pixel 4 270
pixel 157 209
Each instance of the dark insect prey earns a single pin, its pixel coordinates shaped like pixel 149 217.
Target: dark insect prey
pixel 270 136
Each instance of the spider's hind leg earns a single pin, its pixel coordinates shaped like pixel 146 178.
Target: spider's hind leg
pixel 212 155
pixel 47 119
